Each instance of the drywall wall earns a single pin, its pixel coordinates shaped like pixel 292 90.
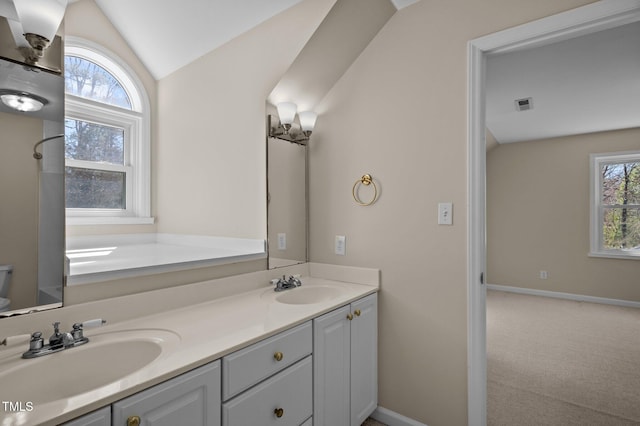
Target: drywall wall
pixel 400 114
pixel 211 156
pixel 538 213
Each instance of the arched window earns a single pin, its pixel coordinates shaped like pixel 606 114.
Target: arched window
pixel 107 148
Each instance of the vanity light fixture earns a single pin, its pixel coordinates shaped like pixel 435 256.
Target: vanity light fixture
pixel 22 101
pixel 285 128
pixel 40 20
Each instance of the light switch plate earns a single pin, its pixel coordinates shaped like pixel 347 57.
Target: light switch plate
pixel 445 214
pixel 341 241
pixel 282 241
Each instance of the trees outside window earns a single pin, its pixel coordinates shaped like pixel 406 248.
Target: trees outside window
pixel 106 138
pixel 616 204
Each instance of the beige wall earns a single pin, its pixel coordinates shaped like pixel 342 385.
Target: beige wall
pixel 19 210
pixel 211 156
pixel 400 114
pixel 84 19
pixel 538 217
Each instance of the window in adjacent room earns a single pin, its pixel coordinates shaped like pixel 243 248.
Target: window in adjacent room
pixel 615 206
pixel 106 138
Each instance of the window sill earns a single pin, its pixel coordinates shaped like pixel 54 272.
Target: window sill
pixel 616 255
pixel 105 220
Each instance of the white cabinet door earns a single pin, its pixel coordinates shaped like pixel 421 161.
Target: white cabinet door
pixel 364 358
pixel 192 399
pixel 346 364
pixel 332 362
pixel 101 417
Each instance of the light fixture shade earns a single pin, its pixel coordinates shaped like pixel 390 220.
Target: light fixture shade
pixel 41 17
pixel 287 112
pixel 23 102
pixel 307 120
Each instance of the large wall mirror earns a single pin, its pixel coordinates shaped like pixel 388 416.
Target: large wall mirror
pixel 32 189
pixel 287 202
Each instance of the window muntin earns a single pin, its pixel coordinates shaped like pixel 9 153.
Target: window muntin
pixel 107 145
pixel 616 204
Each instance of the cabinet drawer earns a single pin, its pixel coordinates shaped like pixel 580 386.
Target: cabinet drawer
pixel 246 367
pixel 290 390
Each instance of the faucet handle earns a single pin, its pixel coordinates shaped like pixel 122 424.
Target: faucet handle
pixel 78 329
pixel 36 342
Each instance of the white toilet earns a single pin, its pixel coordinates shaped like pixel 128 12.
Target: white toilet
pixel 5 280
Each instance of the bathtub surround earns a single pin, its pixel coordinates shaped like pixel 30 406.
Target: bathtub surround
pixel 111 257
pixel 561 362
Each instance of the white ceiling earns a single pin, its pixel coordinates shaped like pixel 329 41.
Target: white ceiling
pixel 168 34
pixel 582 85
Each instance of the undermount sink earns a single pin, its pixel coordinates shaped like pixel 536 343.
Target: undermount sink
pixel 106 359
pixel 308 295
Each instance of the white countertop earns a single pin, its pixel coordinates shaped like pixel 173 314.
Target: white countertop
pixel 202 333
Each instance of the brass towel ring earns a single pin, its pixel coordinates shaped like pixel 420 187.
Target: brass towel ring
pixel 365 180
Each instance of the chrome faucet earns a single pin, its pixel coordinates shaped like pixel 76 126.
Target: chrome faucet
pixel 283 283
pixel 59 341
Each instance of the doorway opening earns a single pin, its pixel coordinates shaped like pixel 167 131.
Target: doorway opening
pixel 595 17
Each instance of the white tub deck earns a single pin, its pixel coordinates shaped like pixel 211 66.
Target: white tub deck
pixel 101 258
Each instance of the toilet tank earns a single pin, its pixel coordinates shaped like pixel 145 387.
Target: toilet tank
pixel 5 279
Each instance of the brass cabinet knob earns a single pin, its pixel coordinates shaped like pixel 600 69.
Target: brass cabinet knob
pixel 357 312
pixel 278 356
pixel 279 412
pixel 349 316
pixel 133 421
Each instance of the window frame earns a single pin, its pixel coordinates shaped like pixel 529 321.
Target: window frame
pixel 136 125
pixel 598 208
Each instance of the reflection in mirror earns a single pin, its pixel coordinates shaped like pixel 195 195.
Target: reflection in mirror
pixel 287 202
pixel 31 180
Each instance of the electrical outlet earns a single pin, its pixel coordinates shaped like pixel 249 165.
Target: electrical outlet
pixel 282 241
pixel 340 248
pixel 544 275
pixel 445 214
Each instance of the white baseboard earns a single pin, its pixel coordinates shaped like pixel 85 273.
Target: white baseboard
pixel 392 418
pixel 569 296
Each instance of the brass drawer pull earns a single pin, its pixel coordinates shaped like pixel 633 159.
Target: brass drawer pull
pixel 349 316
pixel 133 421
pixel 278 357
pixel 279 412
pixel 357 312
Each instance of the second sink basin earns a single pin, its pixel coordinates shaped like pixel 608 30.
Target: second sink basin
pixel 104 360
pixel 308 295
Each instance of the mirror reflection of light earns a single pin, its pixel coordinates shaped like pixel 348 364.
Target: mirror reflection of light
pixel 92 252
pixel 83 263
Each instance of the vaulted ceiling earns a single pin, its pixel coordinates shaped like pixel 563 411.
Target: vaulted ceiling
pixel 168 34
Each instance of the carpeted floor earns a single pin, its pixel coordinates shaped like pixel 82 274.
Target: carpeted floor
pixel 558 362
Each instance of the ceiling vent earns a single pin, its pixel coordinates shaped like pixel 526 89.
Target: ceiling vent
pixel 524 104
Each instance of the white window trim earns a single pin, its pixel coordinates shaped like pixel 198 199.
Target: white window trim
pixel 596 237
pixel 138 125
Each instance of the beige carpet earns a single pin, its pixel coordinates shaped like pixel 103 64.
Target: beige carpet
pixel 559 362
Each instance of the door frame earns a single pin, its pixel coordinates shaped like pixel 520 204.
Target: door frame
pixel 598 16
